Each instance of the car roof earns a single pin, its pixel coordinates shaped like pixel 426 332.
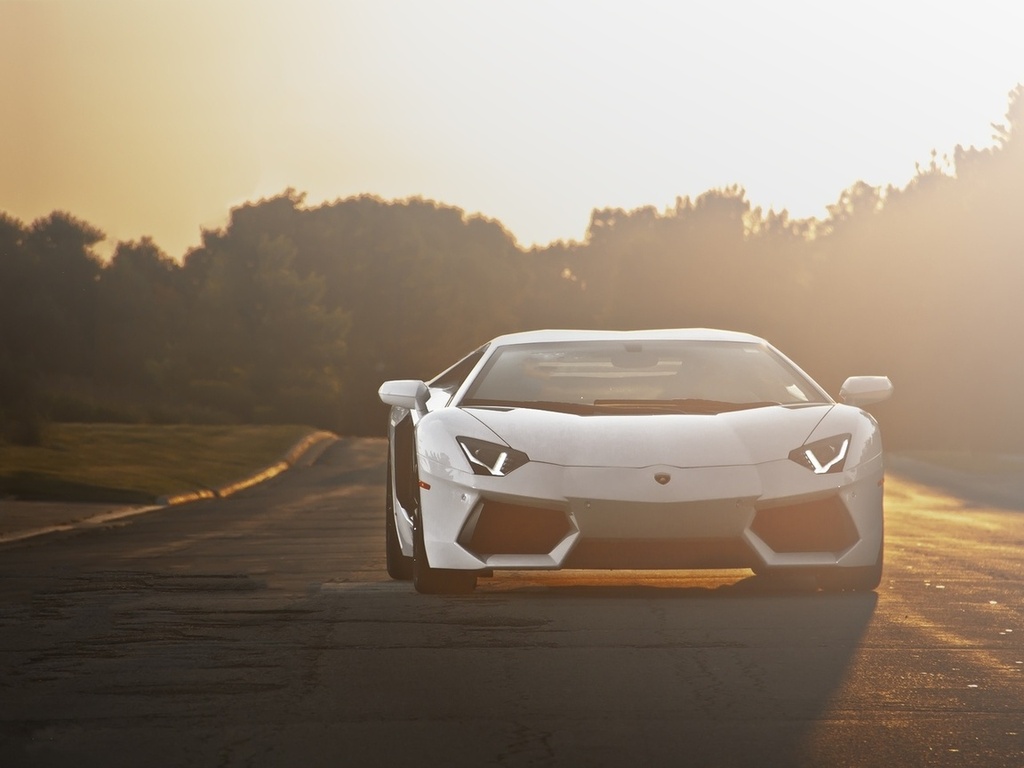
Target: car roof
pixel 664 334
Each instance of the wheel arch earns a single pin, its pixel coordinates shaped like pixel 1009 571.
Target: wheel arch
pixel 404 463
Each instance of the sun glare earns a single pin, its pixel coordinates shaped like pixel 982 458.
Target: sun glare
pixel 156 118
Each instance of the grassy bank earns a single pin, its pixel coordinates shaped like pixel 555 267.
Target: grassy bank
pixel 137 463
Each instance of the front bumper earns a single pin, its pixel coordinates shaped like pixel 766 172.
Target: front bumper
pixel 542 516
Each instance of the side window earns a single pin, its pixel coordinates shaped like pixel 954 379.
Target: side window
pixel 452 379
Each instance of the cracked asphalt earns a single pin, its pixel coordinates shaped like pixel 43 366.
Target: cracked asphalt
pixel 261 629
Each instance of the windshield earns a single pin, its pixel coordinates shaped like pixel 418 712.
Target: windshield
pixel 659 376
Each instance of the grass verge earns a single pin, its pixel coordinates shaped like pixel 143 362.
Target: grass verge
pixel 138 463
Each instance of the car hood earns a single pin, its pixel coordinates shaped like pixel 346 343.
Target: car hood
pixel 750 436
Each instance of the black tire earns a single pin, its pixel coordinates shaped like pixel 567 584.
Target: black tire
pixel 860 579
pixel 435 581
pixel 399 565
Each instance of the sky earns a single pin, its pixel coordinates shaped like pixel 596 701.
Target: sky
pixel 156 117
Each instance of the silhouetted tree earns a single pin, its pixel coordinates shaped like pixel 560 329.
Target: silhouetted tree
pixel 140 311
pixel 293 312
pixel 258 342
pixel 59 298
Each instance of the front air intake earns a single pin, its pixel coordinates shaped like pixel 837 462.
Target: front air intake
pixel 823 525
pixel 511 529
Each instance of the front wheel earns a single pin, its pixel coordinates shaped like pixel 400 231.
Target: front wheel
pixel 399 565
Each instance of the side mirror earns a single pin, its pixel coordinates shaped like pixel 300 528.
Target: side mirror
pixel 405 393
pixel 865 390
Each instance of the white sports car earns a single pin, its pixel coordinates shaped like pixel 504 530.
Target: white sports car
pixel 663 449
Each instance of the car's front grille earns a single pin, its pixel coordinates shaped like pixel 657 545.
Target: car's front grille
pixel 823 525
pixel 511 529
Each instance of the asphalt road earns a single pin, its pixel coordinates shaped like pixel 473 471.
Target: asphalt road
pixel 261 630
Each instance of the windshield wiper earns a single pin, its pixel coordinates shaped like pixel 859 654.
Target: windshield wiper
pixel 681 405
pixel 584 409
pixel 687 406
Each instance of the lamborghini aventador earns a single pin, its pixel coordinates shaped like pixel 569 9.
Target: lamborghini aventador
pixel 667 449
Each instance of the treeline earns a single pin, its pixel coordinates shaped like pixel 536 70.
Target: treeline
pixel 296 314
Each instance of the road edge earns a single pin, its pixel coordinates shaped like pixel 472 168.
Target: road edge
pixel 304 452
pixel 313 443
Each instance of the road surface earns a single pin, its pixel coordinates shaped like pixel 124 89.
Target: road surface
pixel 261 630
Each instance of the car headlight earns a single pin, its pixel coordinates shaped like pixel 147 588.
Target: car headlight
pixel 491 459
pixel 823 456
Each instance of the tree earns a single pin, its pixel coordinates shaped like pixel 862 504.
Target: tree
pixel 58 301
pixel 259 343
pixel 48 274
pixel 140 310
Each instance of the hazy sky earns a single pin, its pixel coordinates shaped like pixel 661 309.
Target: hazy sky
pixel 155 117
